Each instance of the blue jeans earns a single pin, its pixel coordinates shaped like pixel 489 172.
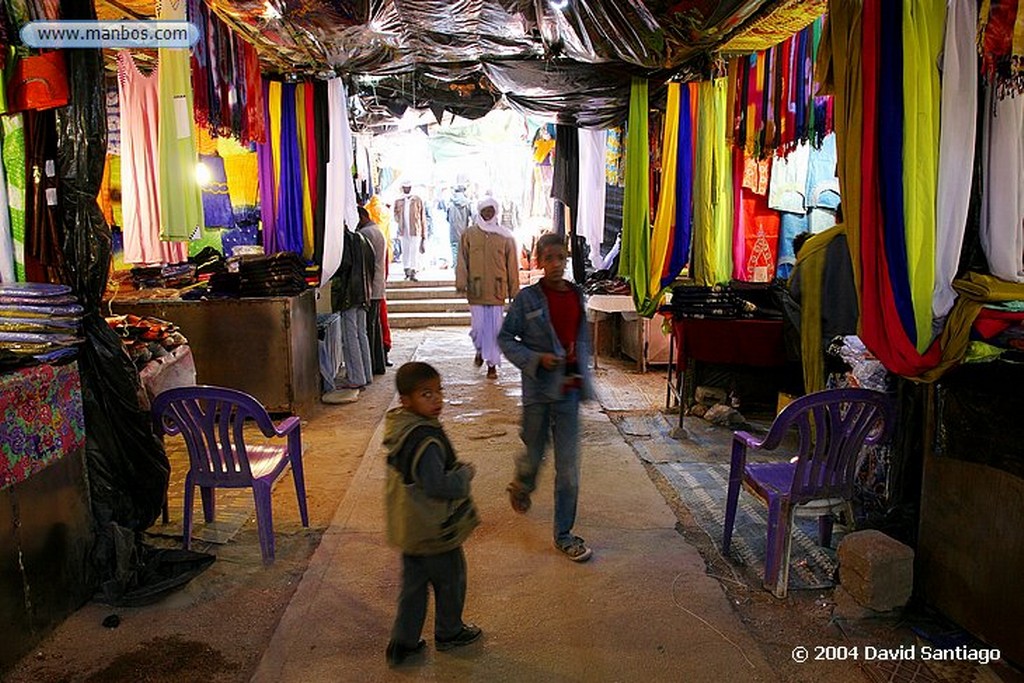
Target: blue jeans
pixel 561 421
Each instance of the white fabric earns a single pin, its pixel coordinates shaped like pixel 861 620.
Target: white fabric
pixel 411 251
pixel 956 147
pixel 493 225
pixel 406 207
pixel 590 214
pixel 340 209
pixel 485 323
pixel 6 239
pixel 788 180
pixel 1002 205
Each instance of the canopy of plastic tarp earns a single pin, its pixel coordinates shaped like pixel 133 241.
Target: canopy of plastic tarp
pixel 567 59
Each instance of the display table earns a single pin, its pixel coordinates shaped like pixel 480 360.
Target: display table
pixel 751 342
pixel 45 520
pixel 600 306
pixel 266 346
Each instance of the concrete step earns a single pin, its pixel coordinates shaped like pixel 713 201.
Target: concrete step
pixel 427 306
pixel 409 320
pixel 407 293
pixel 407 284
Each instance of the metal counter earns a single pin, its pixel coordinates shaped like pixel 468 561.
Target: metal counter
pixel 266 347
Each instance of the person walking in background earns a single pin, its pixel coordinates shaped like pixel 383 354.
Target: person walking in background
pixel 374 330
pixel 460 215
pixel 488 274
pixel 411 220
pixel 545 335
pixel 429 516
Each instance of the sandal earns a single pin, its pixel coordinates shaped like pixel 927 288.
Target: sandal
pixel 519 498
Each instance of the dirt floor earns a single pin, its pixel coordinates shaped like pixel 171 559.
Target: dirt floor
pixel 217 627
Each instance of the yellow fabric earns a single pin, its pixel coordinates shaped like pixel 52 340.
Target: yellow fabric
pixel 811 265
pixel 242 173
pixel 839 65
pixel 307 199
pixel 975 290
pixel 712 190
pixel 923 26
pixel 206 144
pixel 773 27
pixel 665 218
pixel 274 111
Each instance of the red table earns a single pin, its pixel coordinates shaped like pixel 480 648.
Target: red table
pixel 745 341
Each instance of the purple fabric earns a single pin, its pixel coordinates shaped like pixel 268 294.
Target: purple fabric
pixel 217 211
pixel 289 198
pixel 890 166
pixel 684 192
pixel 266 179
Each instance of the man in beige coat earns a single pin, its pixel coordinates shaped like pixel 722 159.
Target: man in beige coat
pixel 487 272
pixel 411 228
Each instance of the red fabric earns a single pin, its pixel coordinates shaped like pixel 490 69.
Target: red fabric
pixel 881 329
pixel 566 314
pixel 255 123
pixel 385 328
pixel 991 322
pixel 760 238
pixel 734 342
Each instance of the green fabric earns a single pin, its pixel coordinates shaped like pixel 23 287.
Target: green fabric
pixel 712 191
pixel 634 261
pixel 980 352
pixel 923 26
pixel 14 165
pixel 207 238
pixel 181 203
pixel 665 218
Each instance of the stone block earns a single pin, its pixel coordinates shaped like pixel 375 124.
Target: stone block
pixel 878 571
pixel 709 396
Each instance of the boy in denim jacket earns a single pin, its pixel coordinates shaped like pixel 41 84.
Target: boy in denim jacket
pixel 545 335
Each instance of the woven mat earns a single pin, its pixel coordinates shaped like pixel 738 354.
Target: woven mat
pixel 702 488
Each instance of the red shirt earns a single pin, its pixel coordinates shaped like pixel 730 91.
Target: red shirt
pixel 566 314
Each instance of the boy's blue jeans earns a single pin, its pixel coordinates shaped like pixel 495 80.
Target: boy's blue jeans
pixel 561 421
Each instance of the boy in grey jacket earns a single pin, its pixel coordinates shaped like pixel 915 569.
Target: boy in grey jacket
pixel 429 515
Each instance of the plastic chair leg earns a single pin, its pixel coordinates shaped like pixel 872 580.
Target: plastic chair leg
pixel 209 496
pixel 264 520
pixel 300 489
pixel 825 530
pixel 731 502
pixel 777 546
pixel 186 519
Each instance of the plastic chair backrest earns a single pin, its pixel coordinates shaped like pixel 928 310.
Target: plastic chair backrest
pixel 211 420
pixel 833 426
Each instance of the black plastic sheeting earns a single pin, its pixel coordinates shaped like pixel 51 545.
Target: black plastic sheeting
pixel 127 467
pixel 587 48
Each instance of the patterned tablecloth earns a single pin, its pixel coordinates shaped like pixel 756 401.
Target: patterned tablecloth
pixel 41 419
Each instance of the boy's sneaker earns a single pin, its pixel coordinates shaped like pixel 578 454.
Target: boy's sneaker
pixel 576 550
pixel 519 498
pixel 468 634
pixel 397 653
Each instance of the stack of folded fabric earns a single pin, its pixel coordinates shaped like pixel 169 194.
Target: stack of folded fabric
pixel 708 302
pixel 283 274
pixel 39 321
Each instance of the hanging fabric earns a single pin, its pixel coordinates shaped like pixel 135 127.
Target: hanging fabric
pixel 956 147
pixel 308 150
pixel 712 190
pixel 181 208
pixel 7 274
pixel 322 142
pixel 665 216
pixel 923 26
pixel 636 220
pixel 267 180
pixel 303 139
pixel 289 198
pixel 590 223
pixel 679 250
pixel 140 207
pixel 14 163
pixel 1002 212
pixel 1001 45
pixel 341 191
pixel 44 238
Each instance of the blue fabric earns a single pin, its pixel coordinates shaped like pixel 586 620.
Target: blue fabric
pixel 527 332
pixel 680 250
pixel 558 422
pixel 790 225
pixel 289 198
pixel 217 211
pixel 890 166
pixel 801 86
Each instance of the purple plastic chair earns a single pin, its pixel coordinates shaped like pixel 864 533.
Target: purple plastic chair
pixel 832 426
pixel 211 419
